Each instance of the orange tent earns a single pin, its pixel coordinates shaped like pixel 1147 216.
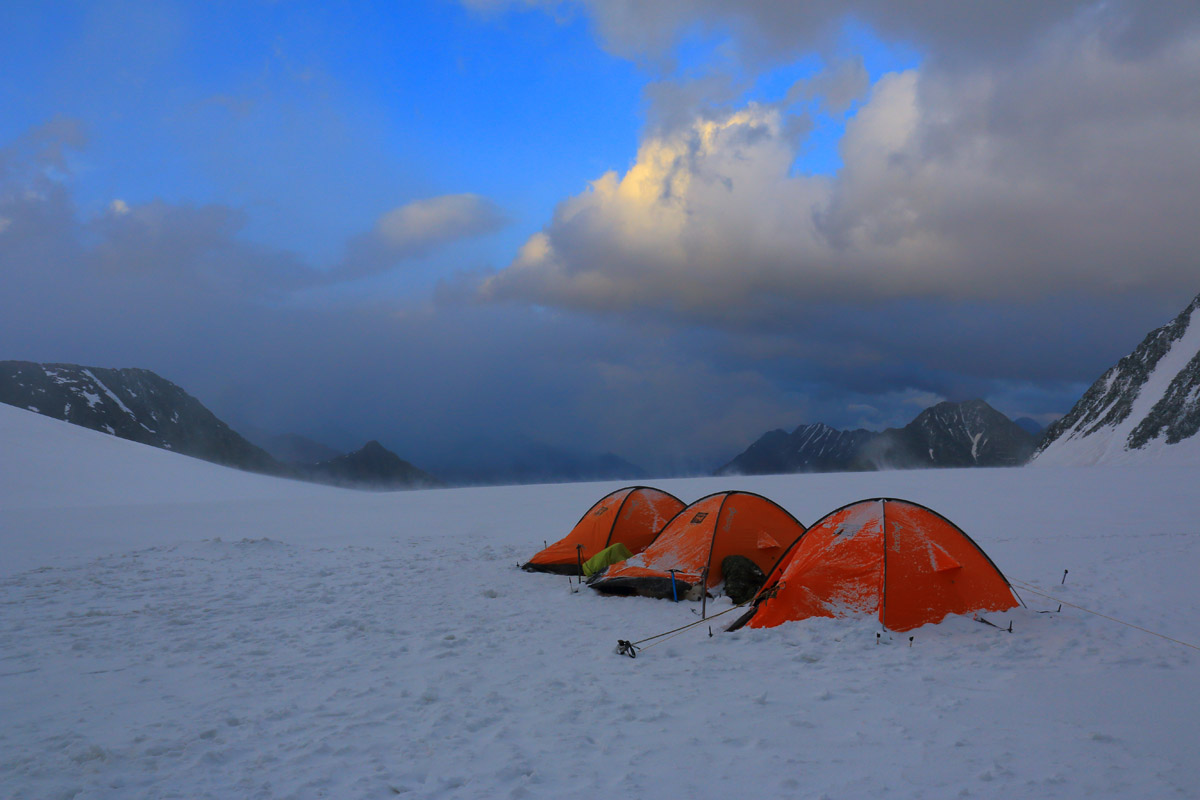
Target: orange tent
pixel 699 538
pixel 899 560
pixel 632 516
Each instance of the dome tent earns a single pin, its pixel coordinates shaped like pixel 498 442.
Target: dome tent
pixel 901 561
pixel 632 516
pixel 700 538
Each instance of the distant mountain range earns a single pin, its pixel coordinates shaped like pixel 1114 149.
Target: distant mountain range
pixel 139 405
pixel 1144 408
pixel 967 434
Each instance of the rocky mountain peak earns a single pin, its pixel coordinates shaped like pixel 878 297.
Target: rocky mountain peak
pixel 373 465
pixel 133 404
pixel 1145 407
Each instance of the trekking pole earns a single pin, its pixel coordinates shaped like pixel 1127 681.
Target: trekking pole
pixel 1064 580
pixel 703 591
pixel 674 593
pixel 579 560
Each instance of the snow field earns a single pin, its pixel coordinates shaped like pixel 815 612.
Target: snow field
pixel 248 637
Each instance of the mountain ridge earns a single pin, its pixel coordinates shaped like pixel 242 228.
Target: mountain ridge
pixel 1144 407
pixel 141 406
pixel 970 433
pixel 130 403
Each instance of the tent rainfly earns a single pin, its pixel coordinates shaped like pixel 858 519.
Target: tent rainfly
pixel 700 538
pixel 632 516
pixel 897 560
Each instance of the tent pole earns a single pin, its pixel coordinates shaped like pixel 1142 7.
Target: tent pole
pixel 883 537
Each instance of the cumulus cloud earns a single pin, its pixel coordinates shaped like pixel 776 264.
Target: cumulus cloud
pixel 183 249
pixel 836 87
pixel 418 227
pixel 764 31
pixel 1072 168
pixel 424 223
pixel 706 216
pixel 33 164
pixel 161 249
pixel 41 149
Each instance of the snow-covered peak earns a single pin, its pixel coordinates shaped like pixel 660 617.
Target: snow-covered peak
pixel 1144 408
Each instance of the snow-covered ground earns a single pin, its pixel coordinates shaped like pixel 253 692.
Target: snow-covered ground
pixel 170 628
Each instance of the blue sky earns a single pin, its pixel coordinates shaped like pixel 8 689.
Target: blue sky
pixel 835 215
pixel 315 120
